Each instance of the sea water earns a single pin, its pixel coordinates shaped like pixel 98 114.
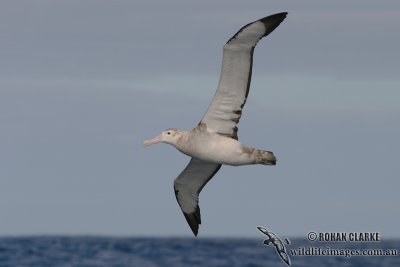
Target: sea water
pixel 110 251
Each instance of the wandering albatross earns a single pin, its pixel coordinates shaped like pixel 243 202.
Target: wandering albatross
pixel 215 141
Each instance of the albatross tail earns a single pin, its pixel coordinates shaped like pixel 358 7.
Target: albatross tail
pixel 264 157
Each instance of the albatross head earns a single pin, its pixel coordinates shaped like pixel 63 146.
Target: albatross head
pixel 169 136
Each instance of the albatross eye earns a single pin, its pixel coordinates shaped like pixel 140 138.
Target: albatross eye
pixel 168 133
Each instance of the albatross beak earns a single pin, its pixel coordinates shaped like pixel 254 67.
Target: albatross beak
pixel 155 140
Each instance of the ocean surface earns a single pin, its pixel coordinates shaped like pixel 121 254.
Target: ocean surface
pixel 109 252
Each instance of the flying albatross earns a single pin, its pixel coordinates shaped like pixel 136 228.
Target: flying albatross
pixel 215 141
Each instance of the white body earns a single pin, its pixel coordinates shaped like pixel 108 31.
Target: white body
pixel 214 147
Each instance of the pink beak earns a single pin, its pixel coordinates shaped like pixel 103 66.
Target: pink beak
pixel 155 140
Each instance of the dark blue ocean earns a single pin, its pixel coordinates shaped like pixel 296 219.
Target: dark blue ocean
pixel 109 252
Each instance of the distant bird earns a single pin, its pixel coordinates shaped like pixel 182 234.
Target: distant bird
pixel 215 141
pixel 275 241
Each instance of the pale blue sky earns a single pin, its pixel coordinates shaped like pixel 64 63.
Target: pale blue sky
pixel 83 83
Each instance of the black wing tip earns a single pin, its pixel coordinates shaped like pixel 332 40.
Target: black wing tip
pixel 278 16
pixel 262 229
pixel 275 19
pixel 272 22
pixel 194 220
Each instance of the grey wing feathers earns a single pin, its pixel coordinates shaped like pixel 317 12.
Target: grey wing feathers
pixel 188 186
pixel 226 107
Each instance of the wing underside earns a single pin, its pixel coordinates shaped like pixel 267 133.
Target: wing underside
pixel 188 186
pixel 226 107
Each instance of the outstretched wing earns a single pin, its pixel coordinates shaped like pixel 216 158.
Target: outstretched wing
pixel 225 109
pixel 285 257
pixel 188 186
